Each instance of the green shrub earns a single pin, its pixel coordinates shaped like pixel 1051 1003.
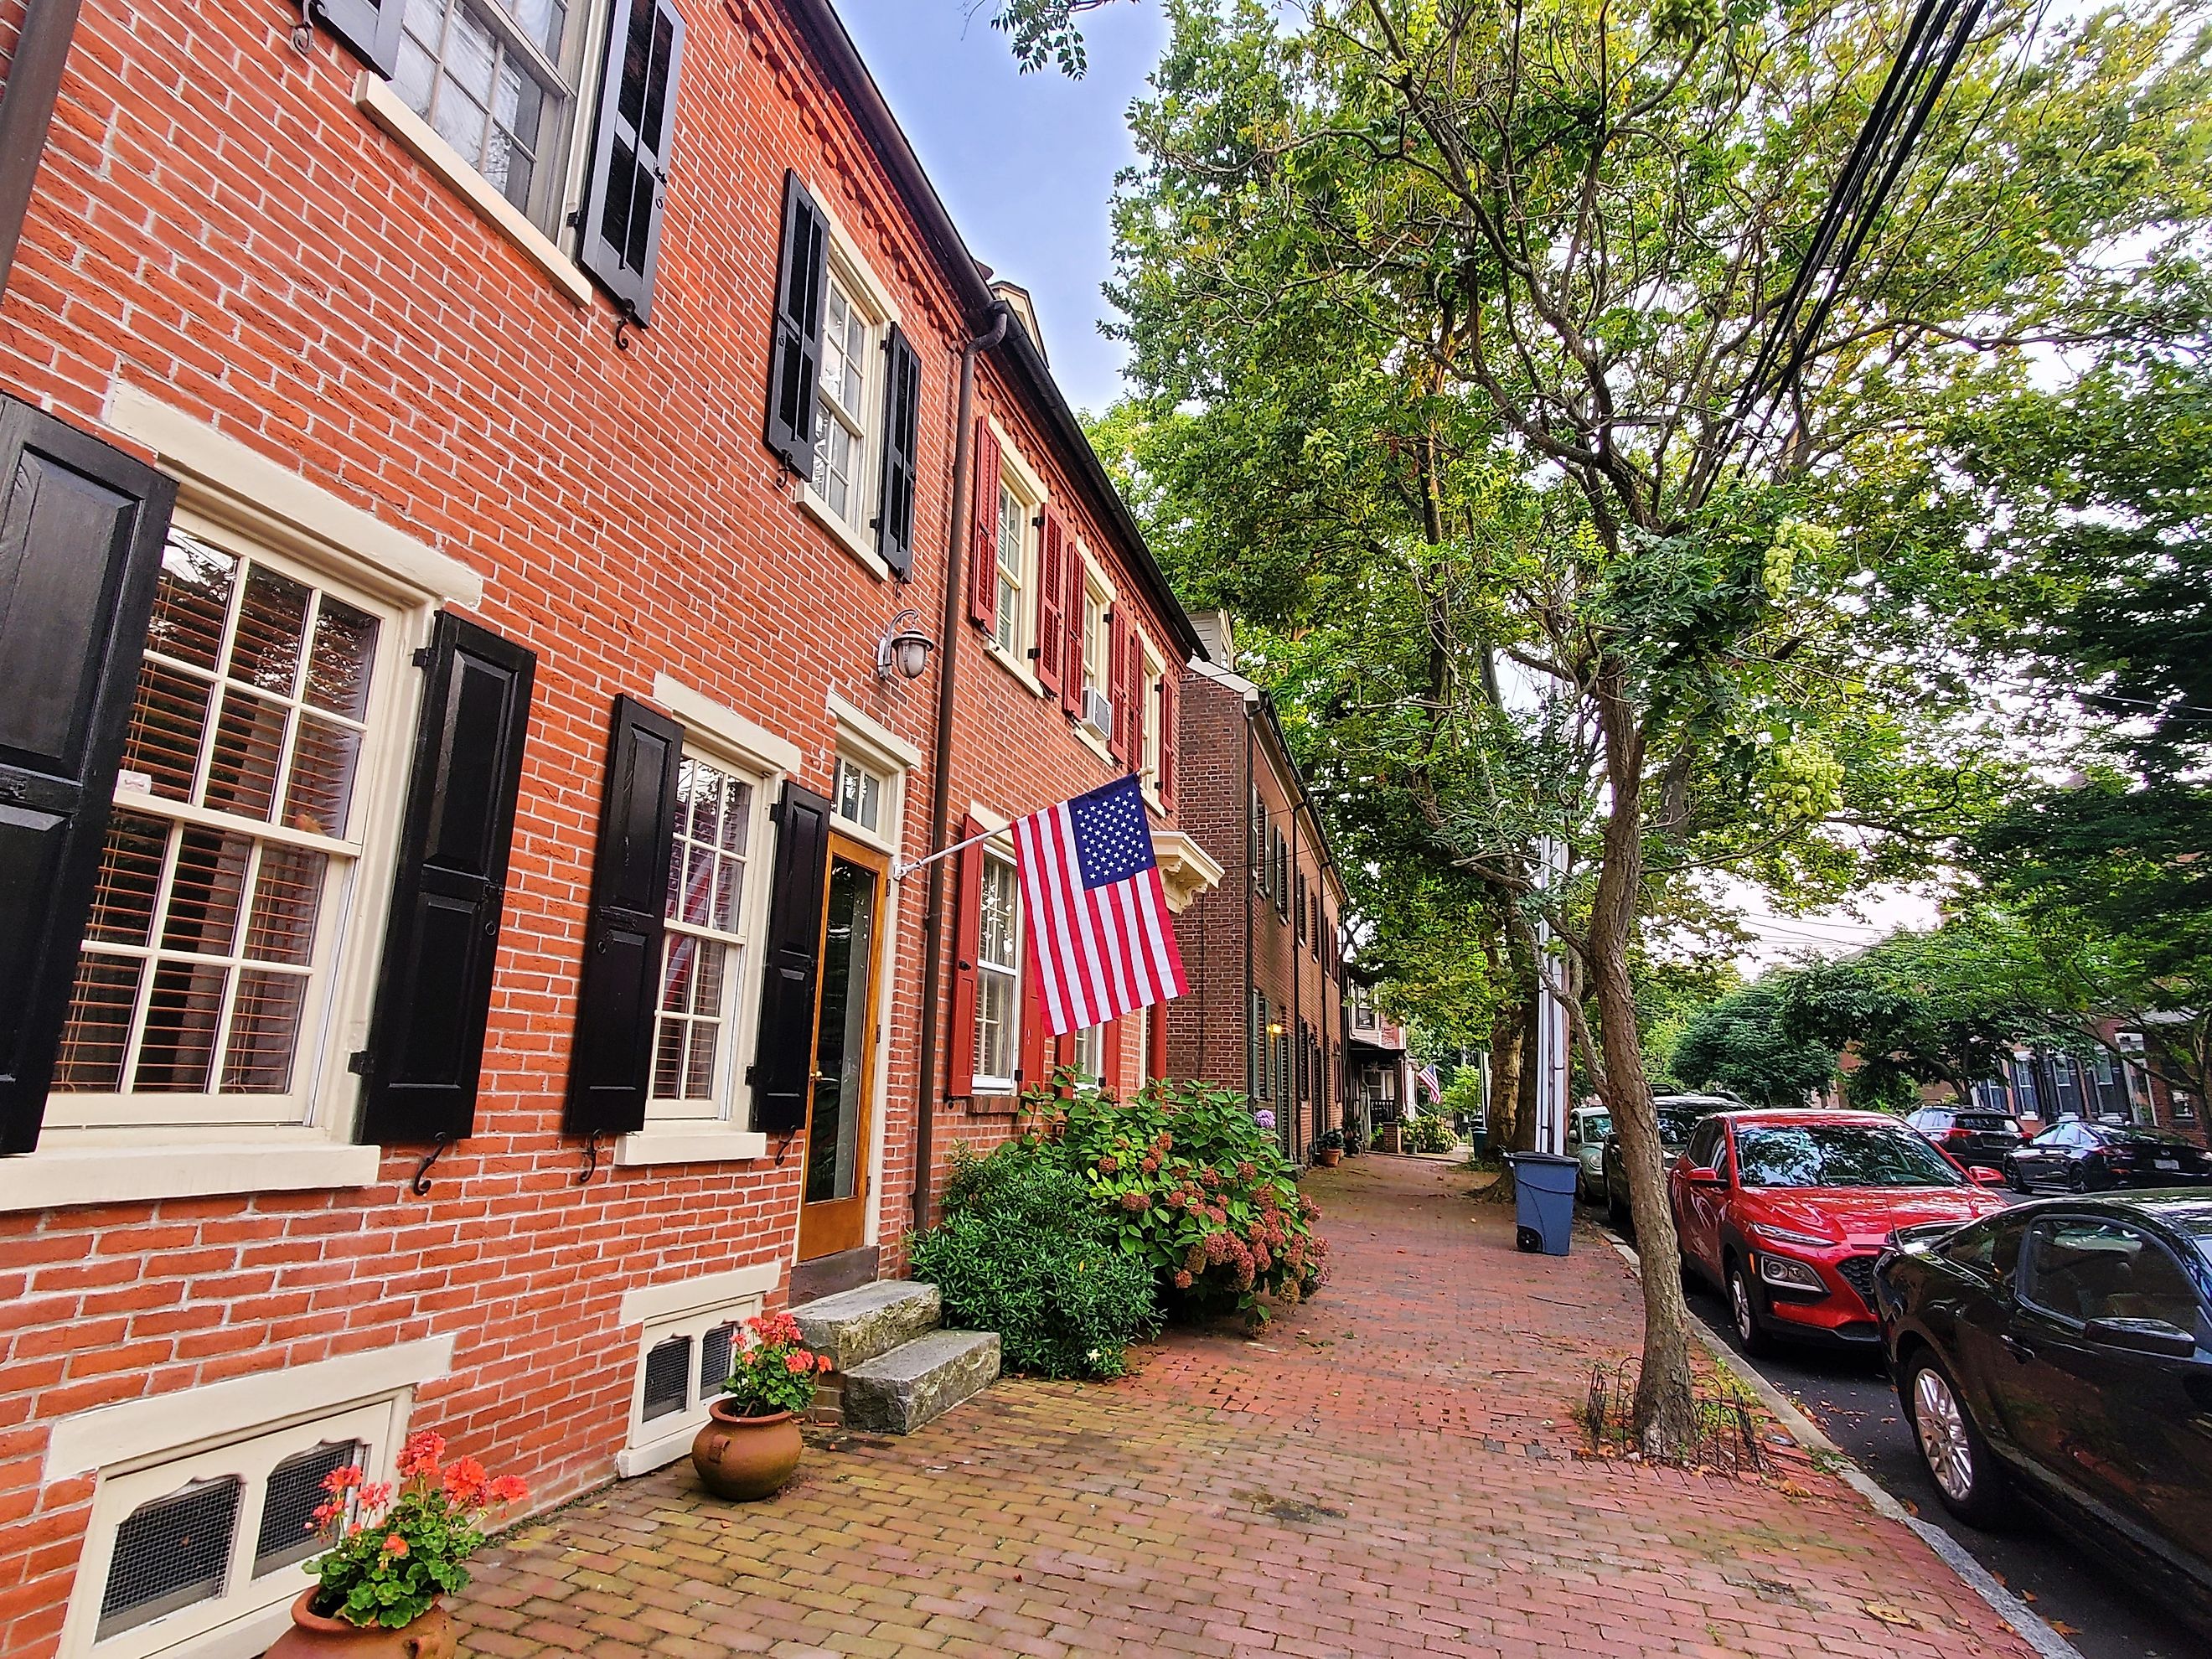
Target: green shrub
pixel 1194 1189
pixel 1433 1134
pixel 1024 1250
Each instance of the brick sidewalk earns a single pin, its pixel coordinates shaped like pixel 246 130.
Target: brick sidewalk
pixel 1388 1470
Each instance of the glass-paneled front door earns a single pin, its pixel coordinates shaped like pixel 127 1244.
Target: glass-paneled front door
pixel 832 1215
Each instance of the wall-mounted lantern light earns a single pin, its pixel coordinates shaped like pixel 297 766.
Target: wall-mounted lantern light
pixel 905 648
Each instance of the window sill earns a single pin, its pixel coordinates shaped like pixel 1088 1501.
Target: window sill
pixel 1090 740
pixel 633 1460
pixel 377 100
pixel 649 1146
pixel 57 1176
pixel 1020 669
pixel 844 534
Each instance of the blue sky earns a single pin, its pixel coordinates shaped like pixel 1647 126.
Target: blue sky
pixel 1026 162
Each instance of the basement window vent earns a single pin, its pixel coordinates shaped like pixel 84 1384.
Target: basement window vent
pixel 170 1553
pixel 716 1349
pixel 295 1493
pixel 667 1377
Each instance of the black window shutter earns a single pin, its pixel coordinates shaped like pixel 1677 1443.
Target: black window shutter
pixel 433 991
pixel 629 183
pixel 371 28
pixel 610 1060
pixel 783 1064
pixel 901 423
pixel 802 287
pixel 80 532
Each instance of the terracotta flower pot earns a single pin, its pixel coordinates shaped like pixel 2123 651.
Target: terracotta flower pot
pixel 314 1636
pixel 745 1457
pixel 1328 1156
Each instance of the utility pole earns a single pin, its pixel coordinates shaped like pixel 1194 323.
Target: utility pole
pixel 1552 1051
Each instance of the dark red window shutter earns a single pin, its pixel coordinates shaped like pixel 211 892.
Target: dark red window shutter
pixel 1052 601
pixel 1117 682
pixel 1077 608
pixel 984 525
pixel 81 530
pixel 1034 1069
pixel 1134 697
pixel 966 942
pixel 802 289
pixel 782 1073
pixel 901 441
pixel 628 187
pixel 1170 733
pixel 1156 1033
pixel 371 28
pixel 611 1058
pixel 433 991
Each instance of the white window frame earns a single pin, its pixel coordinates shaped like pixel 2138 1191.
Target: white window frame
pixel 1099 598
pixel 1089 1054
pixel 855 530
pixel 1152 675
pixel 688 1308
pixel 740 1000
pixel 722 737
pixel 999 852
pixel 1018 481
pixel 848 767
pixel 232 496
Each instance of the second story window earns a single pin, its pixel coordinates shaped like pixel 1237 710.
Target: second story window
pixel 496 80
pixel 842 416
pixel 1013 522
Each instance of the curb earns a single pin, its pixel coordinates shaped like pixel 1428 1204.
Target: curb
pixel 2028 1624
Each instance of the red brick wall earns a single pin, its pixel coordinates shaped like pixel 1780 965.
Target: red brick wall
pixel 217 224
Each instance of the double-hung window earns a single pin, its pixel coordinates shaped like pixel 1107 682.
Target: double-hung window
pixel 497 80
pixel 1154 719
pixel 1010 547
pixel 842 476
pixel 998 977
pixel 711 917
pixel 1091 1054
pixel 209 956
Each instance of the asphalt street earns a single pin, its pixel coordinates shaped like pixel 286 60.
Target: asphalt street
pixel 1849 1396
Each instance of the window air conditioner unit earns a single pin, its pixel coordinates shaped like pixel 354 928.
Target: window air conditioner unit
pixel 1098 711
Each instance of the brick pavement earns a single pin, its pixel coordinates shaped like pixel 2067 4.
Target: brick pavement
pixel 1388 1470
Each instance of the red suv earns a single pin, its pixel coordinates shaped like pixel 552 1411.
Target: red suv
pixel 1786 1210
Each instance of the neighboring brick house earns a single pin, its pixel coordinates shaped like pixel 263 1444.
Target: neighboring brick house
pixel 1264 949
pixel 464 467
pixel 2046 1084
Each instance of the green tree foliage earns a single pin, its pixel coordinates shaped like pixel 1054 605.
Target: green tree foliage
pixel 1440 312
pixel 1740 1043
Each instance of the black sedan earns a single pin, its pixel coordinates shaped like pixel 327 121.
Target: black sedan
pixel 2062 1353
pixel 1678 1115
pixel 2097 1157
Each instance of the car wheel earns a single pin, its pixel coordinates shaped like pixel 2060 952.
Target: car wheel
pixel 2077 1179
pixel 2016 1180
pixel 1750 1327
pixel 1958 1459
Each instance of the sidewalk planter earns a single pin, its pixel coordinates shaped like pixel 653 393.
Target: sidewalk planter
pixel 1544 1197
pixel 430 1636
pixel 744 1458
pixel 1328 1157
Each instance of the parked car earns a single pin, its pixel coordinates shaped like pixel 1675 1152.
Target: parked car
pixel 1788 1210
pixel 1971 1136
pixel 2096 1157
pixel 1679 1117
pixel 2062 1353
pixel 1587 1128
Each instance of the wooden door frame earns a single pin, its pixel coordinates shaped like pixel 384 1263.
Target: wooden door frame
pixel 873 962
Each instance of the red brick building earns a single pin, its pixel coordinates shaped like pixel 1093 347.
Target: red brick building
pixel 1264 950
pixel 478 475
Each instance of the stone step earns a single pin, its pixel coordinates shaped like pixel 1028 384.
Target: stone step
pixel 856 1326
pixel 919 1380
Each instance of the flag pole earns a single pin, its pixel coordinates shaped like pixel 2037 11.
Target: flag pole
pixel 901 869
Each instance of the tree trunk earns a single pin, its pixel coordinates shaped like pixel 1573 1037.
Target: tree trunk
pixel 1505 1077
pixel 1666 1409
pixel 1524 1091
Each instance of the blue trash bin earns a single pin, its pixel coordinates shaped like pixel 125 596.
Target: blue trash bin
pixel 1544 1196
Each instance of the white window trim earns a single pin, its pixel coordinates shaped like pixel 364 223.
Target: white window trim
pixel 1029 490
pixel 331 541
pixel 1153 671
pixel 124 1442
pixel 1001 847
pixel 721 734
pixel 860 281
pixel 868 742
pixel 1097 588
pixel 375 98
pixel 680 1308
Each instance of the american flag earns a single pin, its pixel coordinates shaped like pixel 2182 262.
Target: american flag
pixel 1427 1078
pixel 1100 935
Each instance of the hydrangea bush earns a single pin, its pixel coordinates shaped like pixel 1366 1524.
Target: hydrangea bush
pixel 395 1550
pixel 1196 1189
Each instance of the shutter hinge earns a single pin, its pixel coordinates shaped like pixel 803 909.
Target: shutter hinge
pixel 358 1062
pixel 421 656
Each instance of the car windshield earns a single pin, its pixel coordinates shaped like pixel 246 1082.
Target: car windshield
pixel 1838 1155
pixel 1596 1126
